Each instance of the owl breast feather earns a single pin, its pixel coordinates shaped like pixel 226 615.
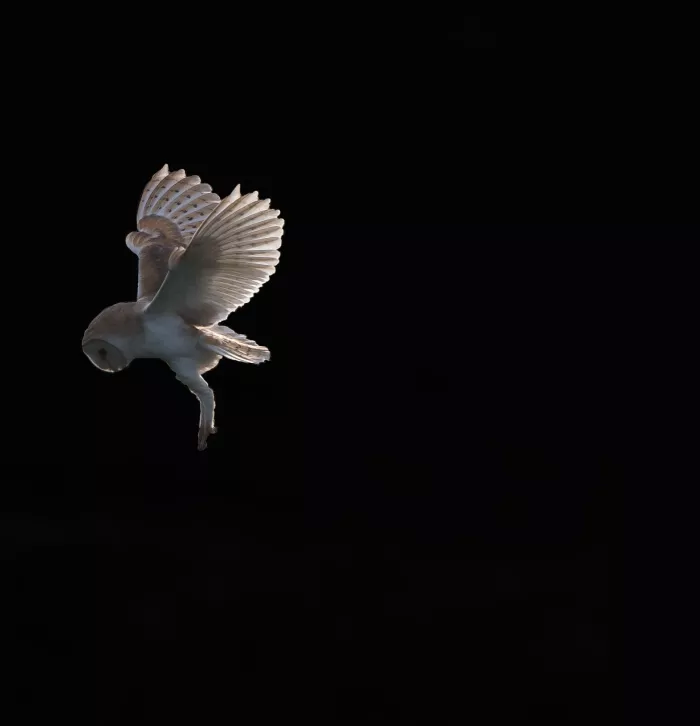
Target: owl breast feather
pixel 168 336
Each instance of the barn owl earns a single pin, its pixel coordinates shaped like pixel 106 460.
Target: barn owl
pixel 199 259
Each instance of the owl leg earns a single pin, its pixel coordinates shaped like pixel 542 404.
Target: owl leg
pixel 186 372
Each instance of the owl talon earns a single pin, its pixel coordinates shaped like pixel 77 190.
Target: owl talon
pixel 204 433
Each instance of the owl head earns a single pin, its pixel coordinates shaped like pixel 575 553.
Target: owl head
pixel 106 341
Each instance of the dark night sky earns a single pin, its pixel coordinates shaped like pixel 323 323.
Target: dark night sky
pixel 406 515
pixel 409 502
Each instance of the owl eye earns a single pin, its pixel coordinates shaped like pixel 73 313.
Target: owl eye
pixel 105 356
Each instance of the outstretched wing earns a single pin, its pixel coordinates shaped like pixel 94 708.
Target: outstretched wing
pixel 172 207
pixel 231 255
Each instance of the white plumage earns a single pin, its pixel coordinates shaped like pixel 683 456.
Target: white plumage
pixel 200 258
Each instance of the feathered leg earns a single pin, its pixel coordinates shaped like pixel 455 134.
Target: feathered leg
pixel 186 372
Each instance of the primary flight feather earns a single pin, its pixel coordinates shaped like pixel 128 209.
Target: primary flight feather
pixel 200 258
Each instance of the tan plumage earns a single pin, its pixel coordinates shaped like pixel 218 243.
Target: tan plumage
pixel 200 258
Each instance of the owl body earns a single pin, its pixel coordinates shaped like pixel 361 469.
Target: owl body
pixel 167 336
pixel 171 339
pixel 200 258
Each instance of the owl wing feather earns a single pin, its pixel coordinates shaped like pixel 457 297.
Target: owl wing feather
pixel 172 207
pixel 229 258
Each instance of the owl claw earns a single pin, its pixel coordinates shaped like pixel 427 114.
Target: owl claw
pixel 204 432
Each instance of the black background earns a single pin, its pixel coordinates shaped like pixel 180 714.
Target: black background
pixel 407 514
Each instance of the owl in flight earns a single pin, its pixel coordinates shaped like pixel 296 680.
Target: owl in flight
pixel 200 258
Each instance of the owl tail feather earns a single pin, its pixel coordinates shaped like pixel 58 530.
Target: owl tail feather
pixel 223 341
